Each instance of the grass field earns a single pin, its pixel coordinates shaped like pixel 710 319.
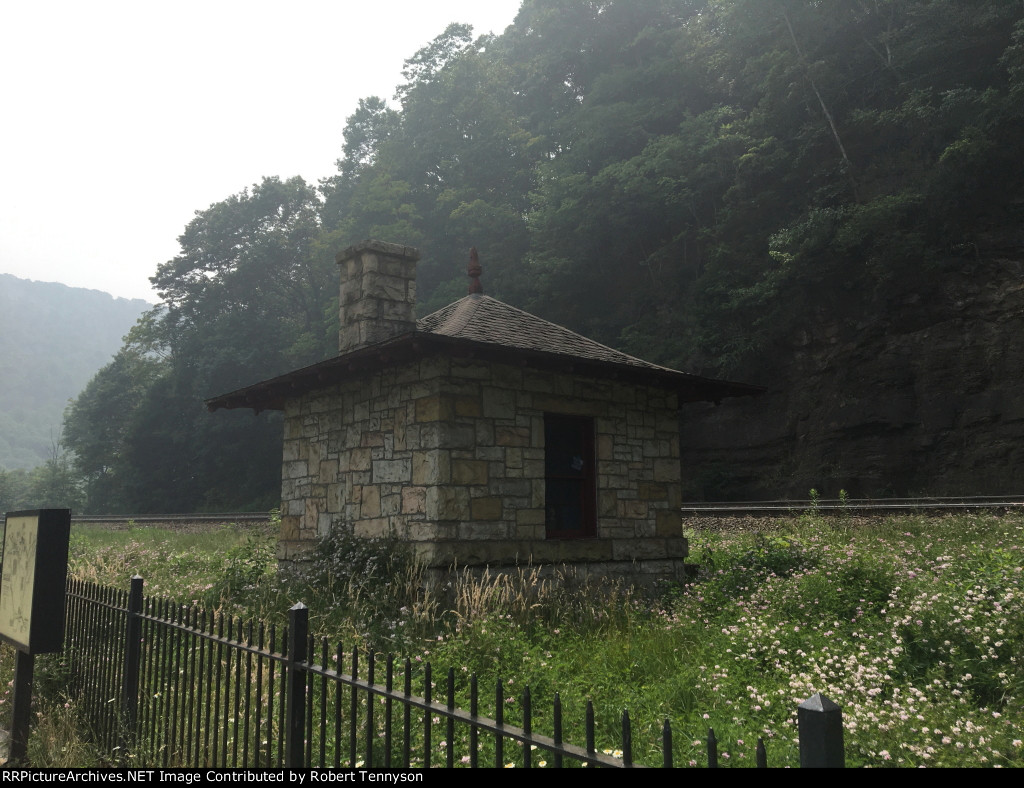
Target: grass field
pixel 914 625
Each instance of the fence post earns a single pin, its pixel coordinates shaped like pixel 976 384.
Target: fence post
pixel 820 726
pixel 21 714
pixel 132 652
pixel 295 725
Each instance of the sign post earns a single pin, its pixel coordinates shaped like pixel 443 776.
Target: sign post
pixel 33 586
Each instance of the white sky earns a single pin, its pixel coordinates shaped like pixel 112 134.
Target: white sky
pixel 119 120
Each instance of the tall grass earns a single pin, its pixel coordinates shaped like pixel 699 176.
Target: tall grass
pixel 914 625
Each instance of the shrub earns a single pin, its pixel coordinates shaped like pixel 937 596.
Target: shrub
pixel 247 568
pixel 374 585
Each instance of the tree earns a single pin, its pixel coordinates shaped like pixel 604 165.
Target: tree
pixel 244 300
pixel 247 265
pixel 14 487
pixel 453 170
pixel 54 484
pixel 366 131
pixel 97 424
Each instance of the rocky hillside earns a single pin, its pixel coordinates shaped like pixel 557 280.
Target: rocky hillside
pixel 922 397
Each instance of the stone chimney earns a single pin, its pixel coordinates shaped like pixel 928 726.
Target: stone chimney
pixel 377 300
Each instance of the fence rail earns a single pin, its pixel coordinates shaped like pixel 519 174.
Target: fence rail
pixel 167 685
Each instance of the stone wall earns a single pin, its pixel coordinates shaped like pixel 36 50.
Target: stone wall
pixel 908 394
pixel 449 455
pixel 377 297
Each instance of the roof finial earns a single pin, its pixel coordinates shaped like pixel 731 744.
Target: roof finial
pixel 474 272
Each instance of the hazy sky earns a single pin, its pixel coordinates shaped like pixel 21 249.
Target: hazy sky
pixel 118 120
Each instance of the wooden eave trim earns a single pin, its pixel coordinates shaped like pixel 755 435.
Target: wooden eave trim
pixel 272 394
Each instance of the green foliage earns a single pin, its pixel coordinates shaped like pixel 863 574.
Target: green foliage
pixel 98 422
pixel 374 586
pixel 693 180
pixel 242 301
pixel 844 593
pixel 767 556
pixel 14 486
pixel 247 568
pixel 52 485
pixel 913 625
pixel 341 558
pixel 185 566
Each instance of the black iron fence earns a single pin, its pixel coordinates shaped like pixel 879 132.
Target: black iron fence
pixel 165 685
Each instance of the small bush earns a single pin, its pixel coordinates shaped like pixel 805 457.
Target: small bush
pixel 848 591
pixel 248 567
pixel 766 556
pixel 374 586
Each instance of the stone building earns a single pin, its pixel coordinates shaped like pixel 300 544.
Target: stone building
pixel 481 434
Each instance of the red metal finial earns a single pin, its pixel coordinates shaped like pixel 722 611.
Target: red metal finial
pixel 474 272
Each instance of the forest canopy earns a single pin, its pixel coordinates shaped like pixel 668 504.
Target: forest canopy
pixel 681 179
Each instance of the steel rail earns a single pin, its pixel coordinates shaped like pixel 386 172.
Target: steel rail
pixel 865 506
pixel 226 517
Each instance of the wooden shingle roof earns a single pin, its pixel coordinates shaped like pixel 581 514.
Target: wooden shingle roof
pixel 478 326
pixel 480 318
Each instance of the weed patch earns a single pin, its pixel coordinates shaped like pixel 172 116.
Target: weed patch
pixel 913 625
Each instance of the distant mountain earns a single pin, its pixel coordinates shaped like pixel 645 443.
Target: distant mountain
pixel 53 339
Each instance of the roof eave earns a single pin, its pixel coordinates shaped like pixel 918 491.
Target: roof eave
pixel 272 394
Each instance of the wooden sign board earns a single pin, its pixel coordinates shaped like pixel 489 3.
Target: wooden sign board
pixel 33 579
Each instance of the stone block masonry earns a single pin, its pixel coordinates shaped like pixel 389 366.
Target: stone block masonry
pixel 377 298
pixel 449 455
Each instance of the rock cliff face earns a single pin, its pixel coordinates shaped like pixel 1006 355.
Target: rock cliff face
pixel 920 393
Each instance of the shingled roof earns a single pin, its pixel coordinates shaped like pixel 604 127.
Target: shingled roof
pixel 480 318
pixel 478 326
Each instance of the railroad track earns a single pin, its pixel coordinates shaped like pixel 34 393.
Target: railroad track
pixel 174 521
pixel 858 506
pixel 863 507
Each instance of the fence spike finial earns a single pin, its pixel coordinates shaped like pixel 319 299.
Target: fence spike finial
pixel 820 727
pixel 712 749
pixel 298 637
